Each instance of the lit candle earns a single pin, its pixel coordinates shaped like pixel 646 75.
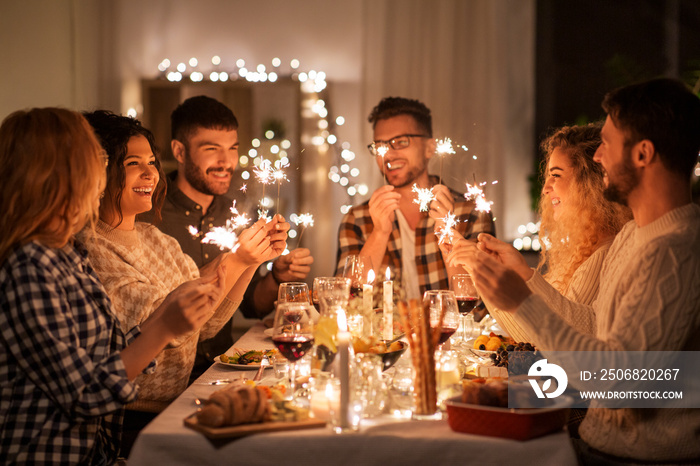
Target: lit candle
pixel 344 353
pixel 388 307
pixel 367 291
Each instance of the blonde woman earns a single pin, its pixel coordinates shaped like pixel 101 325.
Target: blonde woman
pixel 578 224
pixel 66 368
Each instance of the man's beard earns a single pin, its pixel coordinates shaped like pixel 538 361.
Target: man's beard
pixel 626 179
pixel 197 178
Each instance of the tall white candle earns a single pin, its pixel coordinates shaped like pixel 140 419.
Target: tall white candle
pixel 344 353
pixel 388 307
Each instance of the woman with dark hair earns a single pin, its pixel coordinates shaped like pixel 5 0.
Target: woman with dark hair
pixel 140 266
pixel 67 367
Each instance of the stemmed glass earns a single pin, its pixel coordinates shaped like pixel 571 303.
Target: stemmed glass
pixel 437 301
pixel 357 269
pixel 467 300
pixel 332 294
pixel 293 334
pixel 293 292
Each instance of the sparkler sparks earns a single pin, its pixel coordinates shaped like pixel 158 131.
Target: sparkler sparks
pixel 305 220
pixel 225 237
pixel 424 197
pixel 263 172
pixel 444 147
pixel 445 233
pixel 475 193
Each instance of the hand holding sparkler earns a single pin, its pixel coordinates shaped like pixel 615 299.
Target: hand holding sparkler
pixel 277 230
pixel 442 204
pixel 293 267
pixel 254 245
pixel 382 204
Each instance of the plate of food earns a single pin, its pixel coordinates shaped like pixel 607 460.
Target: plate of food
pixel 244 359
pixel 244 410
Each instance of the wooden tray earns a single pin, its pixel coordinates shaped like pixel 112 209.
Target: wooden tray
pixel 248 429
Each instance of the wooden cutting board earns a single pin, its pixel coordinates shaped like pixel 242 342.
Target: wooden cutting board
pixel 248 429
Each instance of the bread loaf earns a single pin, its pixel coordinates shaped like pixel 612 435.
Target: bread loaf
pixel 234 405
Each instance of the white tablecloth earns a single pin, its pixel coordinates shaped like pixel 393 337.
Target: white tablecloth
pixel 382 442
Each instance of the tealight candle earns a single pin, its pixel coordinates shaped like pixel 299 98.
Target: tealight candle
pixel 388 307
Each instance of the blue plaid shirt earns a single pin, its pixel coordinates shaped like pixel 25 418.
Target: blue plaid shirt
pixel 62 380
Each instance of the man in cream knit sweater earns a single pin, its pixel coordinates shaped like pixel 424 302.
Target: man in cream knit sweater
pixel 649 298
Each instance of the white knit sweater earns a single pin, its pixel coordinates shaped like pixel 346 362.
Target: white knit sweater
pixel 583 288
pixel 139 268
pixel 649 300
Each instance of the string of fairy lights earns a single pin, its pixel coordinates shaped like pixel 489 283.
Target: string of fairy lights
pixel 313 83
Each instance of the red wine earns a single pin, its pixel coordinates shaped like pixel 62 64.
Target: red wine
pixel 446 333
pixel 293 347
pixel 355 291
pixel 466 304
pixel 293 316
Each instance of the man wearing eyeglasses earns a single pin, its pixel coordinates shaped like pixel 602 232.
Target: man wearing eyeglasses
pixel 390 228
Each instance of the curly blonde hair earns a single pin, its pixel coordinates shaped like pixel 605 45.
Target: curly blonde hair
pixel 589 217
pixel 51 171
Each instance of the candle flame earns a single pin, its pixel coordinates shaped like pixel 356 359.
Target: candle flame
pixel 388 274
pixel 370 277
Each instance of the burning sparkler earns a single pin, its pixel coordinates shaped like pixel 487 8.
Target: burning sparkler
pixel 225 237
pixel 476 193
pixel 444 147
pixel 279 175
pixel 265 175
pixel 305 220
pixel 445 233
pixel 424 197
pixel 381 151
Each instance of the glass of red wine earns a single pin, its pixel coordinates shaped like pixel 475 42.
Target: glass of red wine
pixel 357 269
pixel 293 292
pixel 467 299
pixel 293 333
pixel 439 302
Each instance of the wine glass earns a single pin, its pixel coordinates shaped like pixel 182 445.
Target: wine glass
pixel 357 269
pixel 467 299
pixel 293 292
pixel 442 301
pixel 293 333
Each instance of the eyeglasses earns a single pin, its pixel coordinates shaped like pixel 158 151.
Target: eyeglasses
pixel 399 142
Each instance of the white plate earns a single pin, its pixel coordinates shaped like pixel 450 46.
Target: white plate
pixel 240 366
pixel 478 352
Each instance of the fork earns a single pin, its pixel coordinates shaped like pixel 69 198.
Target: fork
pixel 265 361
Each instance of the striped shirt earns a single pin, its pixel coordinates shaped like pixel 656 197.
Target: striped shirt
pixel 62 380
pixel 356 226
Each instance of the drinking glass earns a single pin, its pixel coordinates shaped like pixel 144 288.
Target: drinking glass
pixel 333 294
pixel 292 333
pixel 442 301
pixel 293 292
pixel 467 299
pixel 357 269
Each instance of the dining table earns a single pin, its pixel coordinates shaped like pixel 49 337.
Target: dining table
pixel 382 440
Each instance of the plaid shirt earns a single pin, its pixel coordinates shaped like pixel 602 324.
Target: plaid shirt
pixel 357 225
pixel 62 380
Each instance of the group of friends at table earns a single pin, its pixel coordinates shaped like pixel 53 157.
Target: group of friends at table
pixel 110 306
